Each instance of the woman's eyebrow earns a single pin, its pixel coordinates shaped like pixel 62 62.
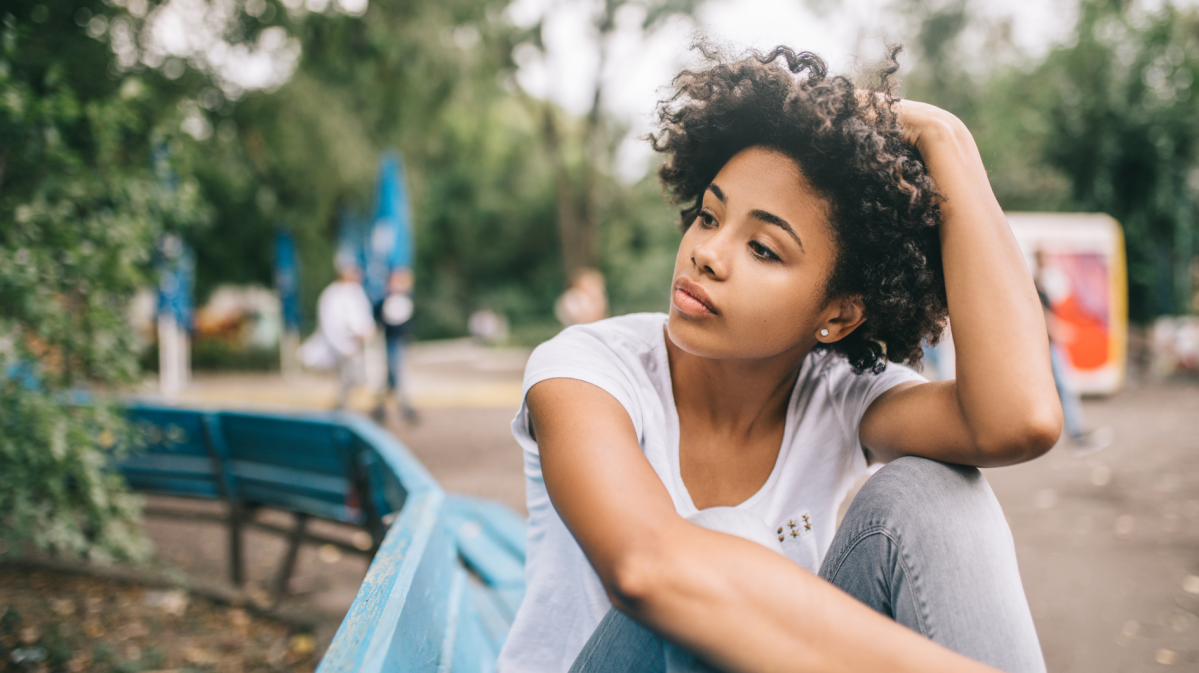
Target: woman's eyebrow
pixel 770 218
pixel 718 192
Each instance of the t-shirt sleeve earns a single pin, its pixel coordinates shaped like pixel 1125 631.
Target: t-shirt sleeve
pixel 581 353
pixel 852 394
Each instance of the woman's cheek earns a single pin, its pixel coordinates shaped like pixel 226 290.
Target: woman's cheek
pixel 777 315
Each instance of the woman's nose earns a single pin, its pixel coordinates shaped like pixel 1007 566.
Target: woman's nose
pixel 709 254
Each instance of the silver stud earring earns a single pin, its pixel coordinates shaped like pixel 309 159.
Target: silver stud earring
pixel 824 332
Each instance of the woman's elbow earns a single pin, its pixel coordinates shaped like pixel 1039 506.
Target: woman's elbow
pixel 1033 435
pixel 634 577
pixel 1041 431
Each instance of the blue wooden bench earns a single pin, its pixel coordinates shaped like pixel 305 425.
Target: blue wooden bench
pixel 447 573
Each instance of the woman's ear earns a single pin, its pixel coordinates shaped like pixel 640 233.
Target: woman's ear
pixel 842 317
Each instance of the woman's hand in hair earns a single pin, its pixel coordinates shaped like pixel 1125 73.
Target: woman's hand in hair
pixel 920 122
pixel 924 124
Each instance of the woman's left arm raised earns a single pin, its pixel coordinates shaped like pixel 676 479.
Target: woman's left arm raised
pixel 1003 407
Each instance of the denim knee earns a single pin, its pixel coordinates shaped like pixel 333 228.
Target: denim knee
pixel 914 515
pixel 921 497
pixel 927 544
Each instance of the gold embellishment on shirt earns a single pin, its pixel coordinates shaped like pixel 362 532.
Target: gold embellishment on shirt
pixel 793 527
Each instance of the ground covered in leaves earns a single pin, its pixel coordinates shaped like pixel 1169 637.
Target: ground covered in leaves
pixel 51 621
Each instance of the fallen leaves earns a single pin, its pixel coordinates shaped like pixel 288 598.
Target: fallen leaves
pixel 66 623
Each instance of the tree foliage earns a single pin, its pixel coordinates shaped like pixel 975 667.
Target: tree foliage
pixel 583 153
pixel 81 206
pixel 433 79
pixel 430 78
pixel 1122 128
pixel 1103 123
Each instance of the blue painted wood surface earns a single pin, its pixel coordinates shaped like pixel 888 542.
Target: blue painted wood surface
pixel 448 574
pixel 420 596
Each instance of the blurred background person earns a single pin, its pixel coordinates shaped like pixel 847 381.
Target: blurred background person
pixel 939 359
pixel 488 327
pixel 1053 285
pixel 585 301
pixel 393 314
pixel 345 323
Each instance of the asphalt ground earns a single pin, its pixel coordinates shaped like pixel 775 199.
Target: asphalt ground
pixel 1108 543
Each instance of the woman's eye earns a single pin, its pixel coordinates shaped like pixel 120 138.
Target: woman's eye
pixel 706 220
pixel 762 251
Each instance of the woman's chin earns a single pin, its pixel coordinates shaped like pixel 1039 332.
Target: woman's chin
pixel 697 338
pixel 712 339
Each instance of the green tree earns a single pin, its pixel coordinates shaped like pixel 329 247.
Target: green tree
pixel 434 79
pixel 1102 123
pixel 81 207
pixel 582 153
pixel 430 78
pixel 1122 129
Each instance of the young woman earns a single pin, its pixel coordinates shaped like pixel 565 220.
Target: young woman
pixel 684 470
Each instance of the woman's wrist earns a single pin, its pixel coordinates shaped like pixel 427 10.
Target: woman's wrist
pixel 946 146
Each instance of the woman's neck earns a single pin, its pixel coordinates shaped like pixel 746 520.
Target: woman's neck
pixel 733 398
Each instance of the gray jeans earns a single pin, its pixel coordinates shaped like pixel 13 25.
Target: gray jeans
pixel 924 543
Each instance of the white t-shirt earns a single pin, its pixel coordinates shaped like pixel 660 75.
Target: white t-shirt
pixel 345 316
pixel 818 461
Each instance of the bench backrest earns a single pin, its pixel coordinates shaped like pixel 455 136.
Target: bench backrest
pixel 312 463
pixel 174 454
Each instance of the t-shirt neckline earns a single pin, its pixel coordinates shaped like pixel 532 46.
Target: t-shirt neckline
pixel 672 417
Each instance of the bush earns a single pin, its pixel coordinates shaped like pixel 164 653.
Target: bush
pixel 57 491
pixel 85 197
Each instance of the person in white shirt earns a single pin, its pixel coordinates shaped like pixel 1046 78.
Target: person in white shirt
pixel 346 322
pixel 684 470
pixel 585 301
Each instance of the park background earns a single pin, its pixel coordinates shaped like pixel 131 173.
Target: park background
pixel 221 123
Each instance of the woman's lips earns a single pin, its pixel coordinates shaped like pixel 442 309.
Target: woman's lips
pixel 691 299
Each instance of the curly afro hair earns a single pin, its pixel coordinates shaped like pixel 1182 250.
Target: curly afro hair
pixel 884 208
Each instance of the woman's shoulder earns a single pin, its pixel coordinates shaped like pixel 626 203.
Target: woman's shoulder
pixel 832 371
pixel 834 366
pixel 621 352
pixel 622 336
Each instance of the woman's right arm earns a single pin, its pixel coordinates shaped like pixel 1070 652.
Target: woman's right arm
pixel 737 604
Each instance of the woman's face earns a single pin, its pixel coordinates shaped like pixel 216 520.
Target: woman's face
pixel 750 273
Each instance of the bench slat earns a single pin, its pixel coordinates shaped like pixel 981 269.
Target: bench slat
pixel 501 523
pixel 473 652
pixel 492 561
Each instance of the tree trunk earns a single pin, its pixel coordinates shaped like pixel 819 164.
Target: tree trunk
pixel 572 226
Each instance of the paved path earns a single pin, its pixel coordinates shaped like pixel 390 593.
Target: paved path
pixel 1108 543
pixel 444 374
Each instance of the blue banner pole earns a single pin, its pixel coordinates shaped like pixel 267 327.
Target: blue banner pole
pixel 287 284
pixel 176 272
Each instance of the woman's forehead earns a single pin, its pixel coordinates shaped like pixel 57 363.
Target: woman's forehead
pixel 766 179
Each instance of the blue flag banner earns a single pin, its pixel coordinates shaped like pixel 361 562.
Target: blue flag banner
pixel 390 233
pixel 176 277
pixel 351 239
pixel 287 279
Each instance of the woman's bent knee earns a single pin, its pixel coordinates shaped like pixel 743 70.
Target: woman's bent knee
pixel 927 544
pixel 919 495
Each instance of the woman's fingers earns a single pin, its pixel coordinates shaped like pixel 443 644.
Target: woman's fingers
pixel 921 123
pixel 914 117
